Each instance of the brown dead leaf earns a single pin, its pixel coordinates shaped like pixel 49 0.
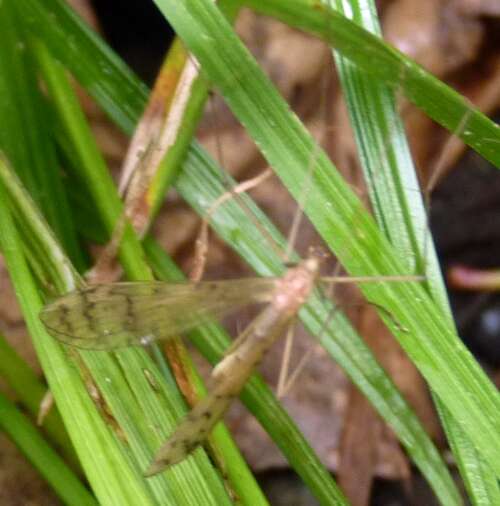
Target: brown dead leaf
pixel 478 7
pixel 451 39
pixel 368 447
pixel 358 449
pixel 433 33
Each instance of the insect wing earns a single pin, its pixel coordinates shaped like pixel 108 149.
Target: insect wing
pixel 105 317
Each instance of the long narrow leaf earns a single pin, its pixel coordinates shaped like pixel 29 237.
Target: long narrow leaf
pixel 263 268
pixel 424 334
pixel 399 209
pixel 44 458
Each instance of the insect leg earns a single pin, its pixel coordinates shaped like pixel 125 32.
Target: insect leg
pixel 228 378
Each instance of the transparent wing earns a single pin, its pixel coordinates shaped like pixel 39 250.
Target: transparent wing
pixel 105 317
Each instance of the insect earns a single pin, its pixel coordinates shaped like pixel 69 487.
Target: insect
pixel 110 316
pixel 106 317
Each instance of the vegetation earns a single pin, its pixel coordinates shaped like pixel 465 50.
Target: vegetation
pixel 46 213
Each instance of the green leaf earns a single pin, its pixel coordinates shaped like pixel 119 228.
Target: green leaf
pixel 391 179
pixel 44 458
pixel 344 224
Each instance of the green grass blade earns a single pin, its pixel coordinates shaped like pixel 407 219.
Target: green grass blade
pixel 99 454
pixel 256 395
pixel 398 206
pixel 246 252
pixel 24 105
pixel 53 263
pixel 69 38
pixel 132 418
pixel 30 391
pixel 135 422
pixel 423 333
pixel 167 489
pixel 92 165
pixel 299 178
pixel 43 457
pixel 200 186
pixel 387 64
pixel 479 480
